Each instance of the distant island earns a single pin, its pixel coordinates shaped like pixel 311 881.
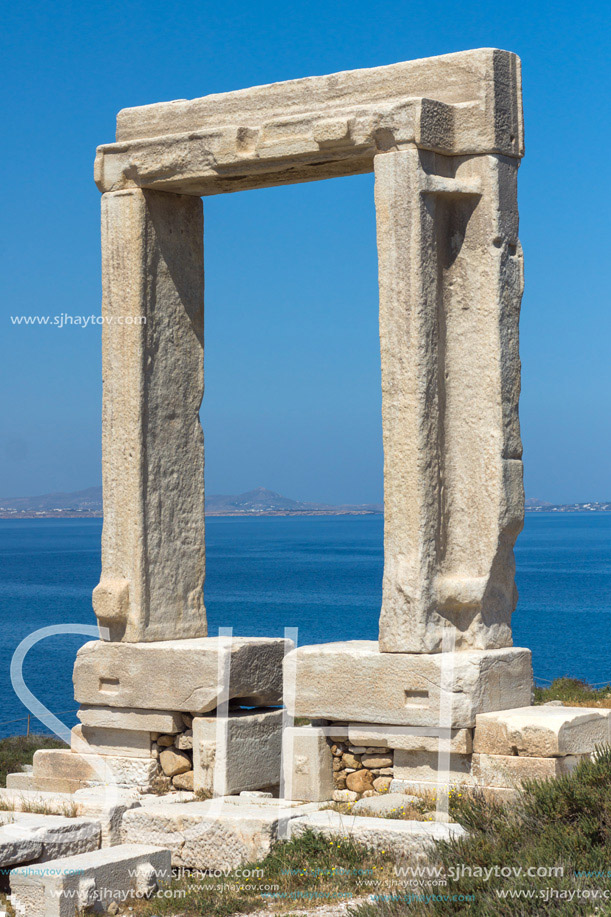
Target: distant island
pixel 541 506
pixel 259 502
pixel 83 504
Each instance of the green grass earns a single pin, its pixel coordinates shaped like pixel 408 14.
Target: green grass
pixel 560 824
pixel 301 873
pixel 574 693
pixel 18 750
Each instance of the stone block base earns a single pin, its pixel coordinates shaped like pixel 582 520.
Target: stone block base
pixel 369 759
pixel 510 771
pixel 424 767
pixel 111 742
pixel 227 755
pixel 354 682
pixel 131 719
pixel 87 770
pixel 20 781
pixel 410 738
pixel 180 675
pixel 88 880
pixel 239 752
pixel 546 731
pixel 25 837
pixel 404 839
pixel 211 834
pixel 307 764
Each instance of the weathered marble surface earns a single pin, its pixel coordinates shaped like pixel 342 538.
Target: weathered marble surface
pixel 193 676
pixel 153 552
pixel 355 682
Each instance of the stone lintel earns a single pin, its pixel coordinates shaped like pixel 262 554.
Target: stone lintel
pixel 318 127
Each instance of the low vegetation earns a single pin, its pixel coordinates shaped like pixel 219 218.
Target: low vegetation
pixel 301 873
pixel 15 751
pixel 548 853
pixel 574 693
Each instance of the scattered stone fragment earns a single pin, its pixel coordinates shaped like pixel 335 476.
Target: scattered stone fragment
pixel 174 762
pixel 382 784
pixel 185 740
pixel 376 761
pixel 359 781
pixel 390 804
pixel 82 882
pixel 345 796
pixel 183 781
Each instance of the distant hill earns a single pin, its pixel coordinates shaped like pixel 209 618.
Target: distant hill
pixel 88 501
pixel 252 503
pixel 258 502
pixel 266 502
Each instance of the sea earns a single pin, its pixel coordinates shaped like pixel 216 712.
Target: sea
pixel 321 575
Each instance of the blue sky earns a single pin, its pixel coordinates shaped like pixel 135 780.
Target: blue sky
pixel 292 362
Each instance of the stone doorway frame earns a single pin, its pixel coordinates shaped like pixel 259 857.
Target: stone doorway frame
pixel 444 137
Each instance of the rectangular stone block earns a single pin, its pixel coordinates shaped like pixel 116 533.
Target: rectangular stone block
pixel 424 766
pixel 239 752
pixel 181 675
pixel 403 838
pixel 210 834
pixel 495 793
pixel 105 805
pixel 27 836
pixel 129 718
pixel 511 770
pixel 57 785
pixel 411 738
pixel 318 127
pixel 353 681
pixel 542 731
pixel 20 781
pixel 56 764
pixel 91 740
pixel 88 880
pixel 307 764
